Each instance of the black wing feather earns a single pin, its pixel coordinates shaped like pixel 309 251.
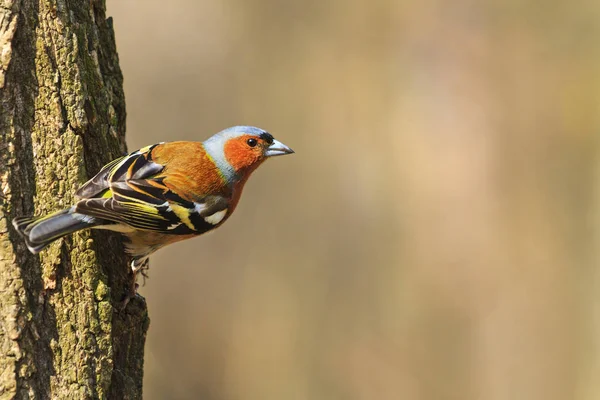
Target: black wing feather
pixel 117 170
pixel 99 183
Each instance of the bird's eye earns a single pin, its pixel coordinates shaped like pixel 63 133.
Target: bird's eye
pixel 252 142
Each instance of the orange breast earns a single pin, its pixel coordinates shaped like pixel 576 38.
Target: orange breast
pixel 189 170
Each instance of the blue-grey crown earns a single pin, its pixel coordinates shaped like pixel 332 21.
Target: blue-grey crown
pixel 244 129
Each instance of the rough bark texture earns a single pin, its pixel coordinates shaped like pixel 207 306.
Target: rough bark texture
pixel 62 117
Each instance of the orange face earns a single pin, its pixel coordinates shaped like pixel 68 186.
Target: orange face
pixel 245 152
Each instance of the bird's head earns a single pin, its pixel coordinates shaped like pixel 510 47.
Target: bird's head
pixel 241 149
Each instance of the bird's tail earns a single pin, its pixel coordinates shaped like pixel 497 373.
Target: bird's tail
pixel 39 232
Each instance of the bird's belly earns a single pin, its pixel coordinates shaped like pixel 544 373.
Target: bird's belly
pixel 142 243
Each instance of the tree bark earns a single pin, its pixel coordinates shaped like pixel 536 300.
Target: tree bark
pixel 62 117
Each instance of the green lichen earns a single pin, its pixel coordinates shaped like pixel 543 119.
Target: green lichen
pixel 105 310
pixel 102 291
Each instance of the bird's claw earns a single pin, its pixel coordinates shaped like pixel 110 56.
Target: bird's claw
pixel 137 266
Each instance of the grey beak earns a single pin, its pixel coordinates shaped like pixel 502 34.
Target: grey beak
pixel 277 149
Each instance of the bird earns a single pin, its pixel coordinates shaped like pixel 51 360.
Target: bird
pixel 161 194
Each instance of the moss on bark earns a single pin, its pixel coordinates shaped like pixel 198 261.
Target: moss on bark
pixel 62 118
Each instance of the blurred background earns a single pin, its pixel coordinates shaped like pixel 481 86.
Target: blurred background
pixel 435 236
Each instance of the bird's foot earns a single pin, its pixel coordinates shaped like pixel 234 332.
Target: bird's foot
pixel 137 266
pixel 144 272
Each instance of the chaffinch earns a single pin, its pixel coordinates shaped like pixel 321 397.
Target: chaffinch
pixel 162 193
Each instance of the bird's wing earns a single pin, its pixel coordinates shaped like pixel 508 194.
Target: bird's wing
pixel 132 191
pixel 99 183
pixel 118 169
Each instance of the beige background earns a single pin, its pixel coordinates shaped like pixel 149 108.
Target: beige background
pixel 436 234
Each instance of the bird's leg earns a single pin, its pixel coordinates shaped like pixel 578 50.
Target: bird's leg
pixel 138 265
pixel 144 271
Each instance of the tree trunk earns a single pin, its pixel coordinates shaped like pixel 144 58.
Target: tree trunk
pixel 62 117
